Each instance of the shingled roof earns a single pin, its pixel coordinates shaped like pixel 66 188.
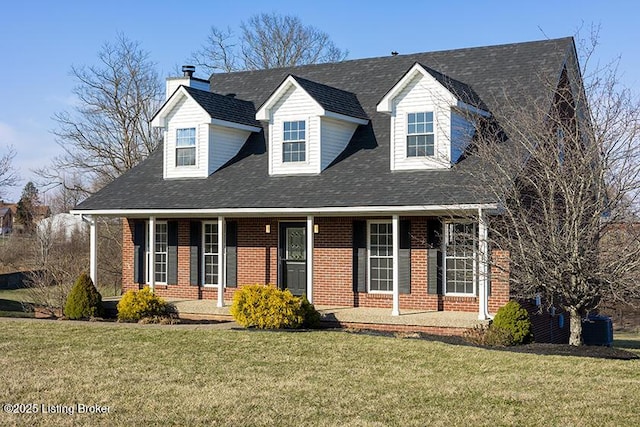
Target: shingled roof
pixel 225 107
pixel 361 175
pixel 332 99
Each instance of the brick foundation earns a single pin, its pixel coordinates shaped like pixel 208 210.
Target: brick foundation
pixel 257 257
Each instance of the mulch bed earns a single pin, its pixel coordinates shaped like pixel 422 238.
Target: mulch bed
pixel 599 352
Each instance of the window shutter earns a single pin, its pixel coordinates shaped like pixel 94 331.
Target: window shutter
pixel 195 254
pixel 434 272
pixel 139 230
pixel 232 254
pixel 434 233
pixel 172 252
pixel 359 256
pixel 404 259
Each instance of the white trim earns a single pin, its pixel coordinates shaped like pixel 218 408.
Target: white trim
pixel 203 280
pixel 93 250
pixel 150 253
pixel 344 118
pixel 445 233
pixel 369 222
pixel 324 210
pixel 221 278
pixel 310 237
pixel 233 125
pixel 395 235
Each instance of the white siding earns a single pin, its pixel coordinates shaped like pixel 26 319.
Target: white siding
pixel 186 114
pixel 335 136
pixel 462 131
pixel 295 104
pixel 224 144
pixel 422 93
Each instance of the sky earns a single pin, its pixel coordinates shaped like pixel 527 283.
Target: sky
pixel 41 40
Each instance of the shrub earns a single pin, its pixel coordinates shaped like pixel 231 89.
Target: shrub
pixel 488 335
pixel 84 300
pixel 266 307
pixel 136 305
pixel 515 320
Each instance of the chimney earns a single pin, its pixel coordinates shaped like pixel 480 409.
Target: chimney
pixel 188 70
pixel 187 79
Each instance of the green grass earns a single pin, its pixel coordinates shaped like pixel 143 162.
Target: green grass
pixel 183 375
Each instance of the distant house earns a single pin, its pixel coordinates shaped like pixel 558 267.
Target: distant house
pixel 6 220
pixel 348 182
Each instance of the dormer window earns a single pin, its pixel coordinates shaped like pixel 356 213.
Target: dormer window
pixel 186 147
pixel 420 136
pixel 294 144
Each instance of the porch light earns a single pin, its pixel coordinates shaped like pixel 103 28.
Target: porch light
pixel 267 228
pixel 315 228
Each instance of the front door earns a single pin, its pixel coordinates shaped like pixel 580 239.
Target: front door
pixel 293 257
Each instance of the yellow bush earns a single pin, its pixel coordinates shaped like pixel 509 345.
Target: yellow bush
pixel 266 307
pixel 135 305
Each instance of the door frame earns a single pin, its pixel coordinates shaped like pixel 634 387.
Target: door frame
pixel 282 225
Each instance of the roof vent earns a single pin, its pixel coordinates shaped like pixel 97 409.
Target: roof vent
pixel 231 95
pixel 393 53
pixel 188 70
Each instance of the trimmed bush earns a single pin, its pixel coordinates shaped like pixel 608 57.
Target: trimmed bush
pixel 84 300
pixel 513 319
pixel 137 305
pixel 266 307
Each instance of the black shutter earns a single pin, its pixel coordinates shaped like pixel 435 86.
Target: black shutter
pixel 139 238
pixel 434 272
pixel 404 257
pixel 359 256
pixel 434 233
pixel 195 254
pixel 172 252
pixel 232 254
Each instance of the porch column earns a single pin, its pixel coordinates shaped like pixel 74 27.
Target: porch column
pixel 93 250
pixel 483 267
pixel 221 260
pixel 310 258
pixel 151 262
pixel 395 229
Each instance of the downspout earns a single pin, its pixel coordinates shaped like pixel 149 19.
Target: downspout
pixel 483 268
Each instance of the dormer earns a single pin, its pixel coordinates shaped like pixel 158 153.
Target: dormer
pixel 310 124
pixel 430 119
pixel 202 131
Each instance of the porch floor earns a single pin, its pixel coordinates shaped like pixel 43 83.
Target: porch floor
pixel 441 322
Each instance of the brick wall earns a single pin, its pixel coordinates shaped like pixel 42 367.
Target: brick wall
pixel 257 253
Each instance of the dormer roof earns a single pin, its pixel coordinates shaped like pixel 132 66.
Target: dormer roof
pixel 333 102
pixel 223 109
pixel 462 92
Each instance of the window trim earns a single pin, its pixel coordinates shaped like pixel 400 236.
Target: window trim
pixel 369 290
pixel 476 254
pixel 407 134
pixel 151 256
pixel 303 141
pixel 187 147
pixel 204 254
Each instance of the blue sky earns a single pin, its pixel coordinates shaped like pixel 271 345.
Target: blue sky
pixel 40 40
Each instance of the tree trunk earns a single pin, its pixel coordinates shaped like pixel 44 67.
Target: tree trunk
pixel 575 328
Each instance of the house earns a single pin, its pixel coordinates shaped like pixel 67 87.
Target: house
pixel 348 182
pixel 6 220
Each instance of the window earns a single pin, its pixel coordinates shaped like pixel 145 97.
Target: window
pixel 159 255
pixel 380 257
pixel 420 137
pixel 461 251
pixel 294 147
pixel 186 147
pixel 211 263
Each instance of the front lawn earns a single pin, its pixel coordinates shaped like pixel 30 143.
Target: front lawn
pixel 185 375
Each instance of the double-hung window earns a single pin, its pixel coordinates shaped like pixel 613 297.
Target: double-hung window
pixel 186 147
pixel 420 136
pixel 380 257
pixel 461 251
pixel 211 258
pixel 294 146
pixel 159 254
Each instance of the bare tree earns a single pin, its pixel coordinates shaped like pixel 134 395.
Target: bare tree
pixel 109 131
pixel 8 175
pixel 567 171
pixel 266 41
